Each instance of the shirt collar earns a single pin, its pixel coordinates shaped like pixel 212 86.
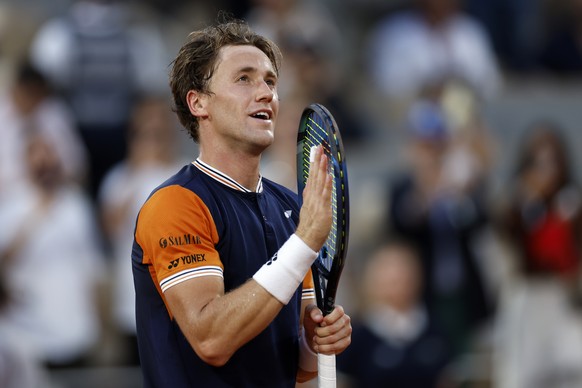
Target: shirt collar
pixel 225 179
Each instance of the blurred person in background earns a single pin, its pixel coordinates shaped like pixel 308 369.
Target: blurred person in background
pixel 50 255
pixel 438 203
pixel 29 103
pixel 101 60
pixel 539 330
pixel 309 21
pixel 152 157
pixel 396 342
pixel 516 29
pixel 561 52
pixel 428 44
pixel 18 368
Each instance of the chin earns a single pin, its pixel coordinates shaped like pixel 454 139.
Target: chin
pixel 267 137
pixel 260 145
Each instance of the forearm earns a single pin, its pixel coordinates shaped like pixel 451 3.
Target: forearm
pixel 229 321
pixel 217 323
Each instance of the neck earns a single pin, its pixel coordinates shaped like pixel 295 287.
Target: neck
pixel 243 168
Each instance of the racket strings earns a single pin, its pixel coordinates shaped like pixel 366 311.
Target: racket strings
pixel 315 136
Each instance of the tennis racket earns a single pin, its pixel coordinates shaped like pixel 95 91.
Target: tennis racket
pixel 317 126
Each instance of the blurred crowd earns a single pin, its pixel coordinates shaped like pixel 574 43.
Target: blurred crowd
pixel 465 249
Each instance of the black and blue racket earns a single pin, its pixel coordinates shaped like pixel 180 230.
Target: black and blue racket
pixel 317 126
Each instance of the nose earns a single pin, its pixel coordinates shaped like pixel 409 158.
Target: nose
pixel 266 92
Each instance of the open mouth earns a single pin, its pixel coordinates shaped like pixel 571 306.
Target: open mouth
pixel 261 116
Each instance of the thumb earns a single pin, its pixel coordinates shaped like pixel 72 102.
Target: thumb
pixel 312 318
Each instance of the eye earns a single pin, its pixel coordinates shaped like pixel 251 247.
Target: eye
pixel 271 82
pixel 243 78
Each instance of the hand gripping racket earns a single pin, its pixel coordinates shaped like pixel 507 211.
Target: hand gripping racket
pixel 317 126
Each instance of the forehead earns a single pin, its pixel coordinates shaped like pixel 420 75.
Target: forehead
pixel 234 58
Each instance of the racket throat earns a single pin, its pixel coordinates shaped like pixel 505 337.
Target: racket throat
pixel 324 302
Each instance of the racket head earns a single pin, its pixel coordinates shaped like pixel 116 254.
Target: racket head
pixel 317 126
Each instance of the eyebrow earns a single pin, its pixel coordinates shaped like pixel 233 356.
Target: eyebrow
pixel 251 69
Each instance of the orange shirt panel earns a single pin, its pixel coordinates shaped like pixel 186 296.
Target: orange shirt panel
pixel 178 236
pixel 308 286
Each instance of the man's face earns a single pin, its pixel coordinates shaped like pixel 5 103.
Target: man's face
pixel 243 104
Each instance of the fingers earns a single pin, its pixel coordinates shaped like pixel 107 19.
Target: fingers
pixel 315 163
pixel 311 319
pixel 314 313
pixel 333 335
pixel 316 216
pixel 317 171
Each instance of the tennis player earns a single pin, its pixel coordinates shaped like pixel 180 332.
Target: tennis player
pixel 221 256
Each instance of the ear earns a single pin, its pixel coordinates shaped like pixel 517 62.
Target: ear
pixel 197 103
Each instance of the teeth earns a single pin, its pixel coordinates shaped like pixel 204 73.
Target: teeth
pixel 261 115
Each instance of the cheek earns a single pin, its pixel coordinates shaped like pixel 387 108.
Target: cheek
pixel 275 105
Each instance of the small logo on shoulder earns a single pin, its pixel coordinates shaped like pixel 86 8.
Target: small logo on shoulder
pixel 288 213
pixel 185 239
pixel 188 259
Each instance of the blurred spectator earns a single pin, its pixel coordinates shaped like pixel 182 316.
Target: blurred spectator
pixel 153 156
pixel 18 368
pixel 102 61
pixel 304 20
pixel 30 103
pixel 438 203
pixel 52 261
pixel 396 343
pixel 516 28
pixel 427 45
pixel 562 52
pixel 540 325
pixel 544 213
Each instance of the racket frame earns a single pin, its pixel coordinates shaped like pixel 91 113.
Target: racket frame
pixel 326 281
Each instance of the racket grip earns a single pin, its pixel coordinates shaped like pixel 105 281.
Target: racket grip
pixel 326 371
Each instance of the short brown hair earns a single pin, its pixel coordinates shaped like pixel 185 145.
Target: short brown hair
pixel 196 62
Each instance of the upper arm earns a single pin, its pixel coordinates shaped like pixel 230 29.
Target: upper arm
pixel 177 235
pixel 216 323
pixel 186 301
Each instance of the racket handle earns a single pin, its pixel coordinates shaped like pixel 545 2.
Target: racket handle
pixel 326 371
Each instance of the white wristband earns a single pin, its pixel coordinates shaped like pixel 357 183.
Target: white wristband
pixel 307 358
pixel 281 275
